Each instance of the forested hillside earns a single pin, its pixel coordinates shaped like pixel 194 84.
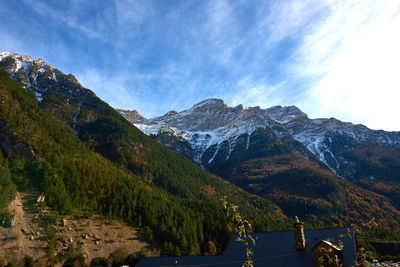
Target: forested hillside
pixel 72 176
pixel 84 156
pixel 266 152
pixel 7 190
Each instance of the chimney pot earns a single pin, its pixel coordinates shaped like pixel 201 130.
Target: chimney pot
pixel 299 234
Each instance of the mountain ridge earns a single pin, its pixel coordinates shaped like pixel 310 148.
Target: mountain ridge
pixel 66 113
pixel 218 122
pixel 276 151
pixel 278 175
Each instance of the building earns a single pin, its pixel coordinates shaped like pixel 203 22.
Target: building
pixel 333 247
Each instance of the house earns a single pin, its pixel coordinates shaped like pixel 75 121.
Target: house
pixel 327 254
pixel 317 247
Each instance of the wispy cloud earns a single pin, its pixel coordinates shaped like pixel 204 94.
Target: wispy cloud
pixel 352 57
pixel 70 19
pixel 120 97
pixel 331 58
pixel 253 93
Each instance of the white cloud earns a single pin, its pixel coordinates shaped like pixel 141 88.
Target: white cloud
pixel 220 29
pixel 286 18
pixel 347 58
pixel 255 93
pixel 354 57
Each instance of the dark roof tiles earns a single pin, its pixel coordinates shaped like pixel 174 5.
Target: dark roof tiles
pixel 271 249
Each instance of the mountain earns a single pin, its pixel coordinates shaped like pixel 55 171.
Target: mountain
pixel 61 139
pixel 83 155
pixel 213 130
pixel 284 156
pixel 131 115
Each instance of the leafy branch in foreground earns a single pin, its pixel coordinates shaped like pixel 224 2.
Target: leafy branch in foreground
pixel 358 232
pixel 244 227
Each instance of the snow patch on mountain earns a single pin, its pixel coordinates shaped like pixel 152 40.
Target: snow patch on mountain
pixel 26 66
pixel 248 141
pixel 5 54
pixel 315 144
pixel 39 96
pixel 54 76
pixel 201 140
pixel 215 153
pixel 211 122
pixel 32 68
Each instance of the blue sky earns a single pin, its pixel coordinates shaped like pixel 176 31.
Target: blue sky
pixel 330 58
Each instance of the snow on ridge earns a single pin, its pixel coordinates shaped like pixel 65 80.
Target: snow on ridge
pixel 125 109
pixel 315 134
pixel 210 123
pixel 24 61
pixel 209 101
pixel 15 56
pixel 203 140
pixel 26 70
pixel 215 153
pixel 248 141
pixel 315 144
pixel 54 76
pixel 39 96
pixel 153 129
pixel 284 114
pixel 42 64
pixel 6 54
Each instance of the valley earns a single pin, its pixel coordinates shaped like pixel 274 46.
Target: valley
pixel 110 182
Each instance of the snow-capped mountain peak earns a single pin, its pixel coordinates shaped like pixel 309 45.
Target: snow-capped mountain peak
pixel 207 123
pixel 284 114
pixel 211 102
pixel 40 77
pixel 211 123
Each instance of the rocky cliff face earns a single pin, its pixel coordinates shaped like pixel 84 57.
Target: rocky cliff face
pixel 131 115
pixel 212 132
pixel 60 93
pixel 282 155
pixel 41 77
pixel 335 142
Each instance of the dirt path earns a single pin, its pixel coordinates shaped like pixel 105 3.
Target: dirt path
pixel 19 224
pixel 14 241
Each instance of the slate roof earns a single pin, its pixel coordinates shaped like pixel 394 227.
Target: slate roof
pixel 272 249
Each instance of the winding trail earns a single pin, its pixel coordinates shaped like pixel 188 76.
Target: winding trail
pixel 14 242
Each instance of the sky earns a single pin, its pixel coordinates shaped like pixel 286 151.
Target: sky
pixel 329 58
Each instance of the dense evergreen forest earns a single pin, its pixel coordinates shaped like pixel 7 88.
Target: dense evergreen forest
pixel 176 203
pixel 7 190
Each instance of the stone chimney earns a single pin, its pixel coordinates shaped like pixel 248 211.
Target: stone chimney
pixel 299 234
